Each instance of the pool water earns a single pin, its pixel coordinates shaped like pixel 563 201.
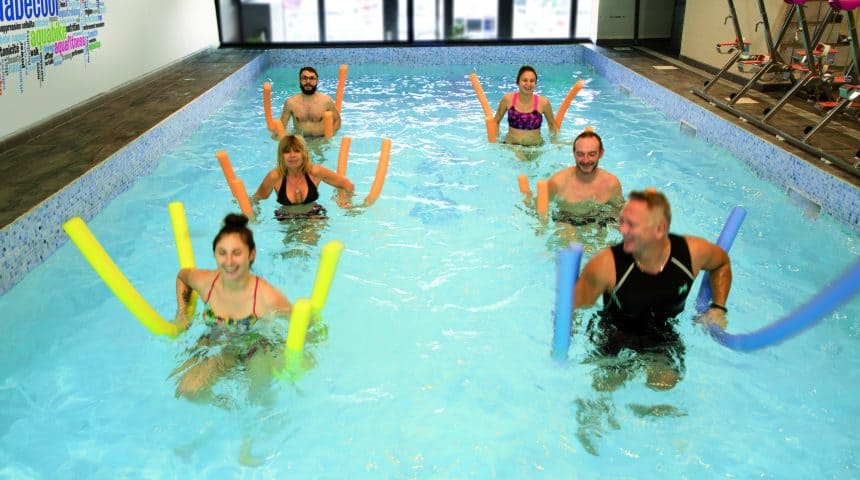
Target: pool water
pixel 440 316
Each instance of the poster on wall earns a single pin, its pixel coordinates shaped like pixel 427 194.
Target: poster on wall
pixel 39 35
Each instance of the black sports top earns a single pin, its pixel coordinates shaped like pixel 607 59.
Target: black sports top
pixel 639 297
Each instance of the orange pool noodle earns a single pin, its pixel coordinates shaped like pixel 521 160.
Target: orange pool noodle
pixel 381 170
pixel 343 155
pixel 341 82
pixel 267 105
pixel 523 181
pixel 542 196
pixel 492 129
pixel 226 166
pixel 279 129
pixel 479 90
pixel 566 103
pixel 328 124
pixel 238 188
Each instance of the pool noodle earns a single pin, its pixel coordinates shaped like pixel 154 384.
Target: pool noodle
pixel 542 197
pixel 492 129
pixel 295 343
pixel 567 271
pixel 343 155
pixel 724 241
pixel 381 170
pixel 93 252
pixel 299 321
pixel 479 91
pixel 279 129
pixel 342 160
pixel 329 256
pixel 238 188
pixel 566 103
pixel 341 83
pixel 226 166
pixel 267 105
pixel 804 317
pixel 328 125
pixel 523 181
pixel 183 247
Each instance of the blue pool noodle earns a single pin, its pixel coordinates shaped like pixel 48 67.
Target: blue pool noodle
pixel 807 315
pixel 567 265
pixel 724 241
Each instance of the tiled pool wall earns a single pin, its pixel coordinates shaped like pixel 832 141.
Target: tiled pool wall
pixel 28 241
pixel 767 160
pixel 32 238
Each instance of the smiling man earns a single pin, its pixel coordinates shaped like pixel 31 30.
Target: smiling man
pixel 644 281
pixel 584 192
pixel 585 180
pixel 307 108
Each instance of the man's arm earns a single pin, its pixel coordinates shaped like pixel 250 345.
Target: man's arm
pixel 286 114
pixel 714 260
pixel 597 277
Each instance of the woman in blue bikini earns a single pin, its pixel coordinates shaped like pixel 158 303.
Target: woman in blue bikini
pixel 525 110
pixel 236 303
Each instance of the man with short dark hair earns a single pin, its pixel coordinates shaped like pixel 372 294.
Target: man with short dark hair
pixel 307 108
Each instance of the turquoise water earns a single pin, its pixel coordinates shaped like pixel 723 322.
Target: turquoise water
pixel 440 316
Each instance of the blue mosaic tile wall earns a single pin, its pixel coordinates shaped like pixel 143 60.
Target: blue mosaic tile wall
pixel 28 241
pixel 32 238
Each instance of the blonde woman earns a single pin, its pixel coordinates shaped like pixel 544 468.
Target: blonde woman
pixel 296 181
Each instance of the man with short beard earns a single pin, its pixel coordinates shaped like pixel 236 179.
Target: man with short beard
pixel 585 193
pixel 585 180
pixel 307 108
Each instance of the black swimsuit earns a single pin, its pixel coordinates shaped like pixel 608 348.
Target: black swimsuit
pixel 639 313
pixel 311 197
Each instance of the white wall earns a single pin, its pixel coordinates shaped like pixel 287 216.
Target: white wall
pixel 139 37
pixel 704 28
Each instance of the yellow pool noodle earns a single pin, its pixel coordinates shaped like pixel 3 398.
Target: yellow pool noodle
pixel 299 321
pixel 183 247
pixel 86 242
pixel 329 256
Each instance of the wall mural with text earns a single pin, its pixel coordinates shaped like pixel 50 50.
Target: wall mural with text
pixel 37 35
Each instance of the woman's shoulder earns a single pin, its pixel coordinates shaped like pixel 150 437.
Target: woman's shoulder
pixel 198 278
pixel 272 298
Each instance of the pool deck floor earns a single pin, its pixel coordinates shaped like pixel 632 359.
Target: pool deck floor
pixel 35 166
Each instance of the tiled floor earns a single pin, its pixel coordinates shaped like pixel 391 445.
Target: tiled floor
pixel 34 168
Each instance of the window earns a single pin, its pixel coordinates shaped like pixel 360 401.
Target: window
pixel 475 20
pixel 541 19
pixel 353 21
pixel 300 20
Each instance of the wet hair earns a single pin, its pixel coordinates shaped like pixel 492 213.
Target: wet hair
pixel 309 69
pixel 524 69
pixel 588 134
pixel 656 201
pixel 238 224
pixel 293 143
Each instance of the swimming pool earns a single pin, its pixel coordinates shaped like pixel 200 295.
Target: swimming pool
pixel 437 362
